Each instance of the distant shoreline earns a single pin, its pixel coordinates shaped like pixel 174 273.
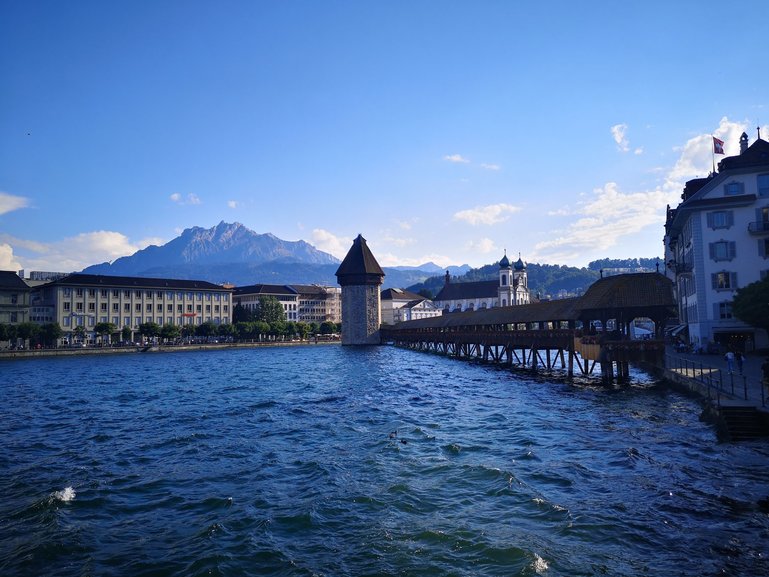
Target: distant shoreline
pixel 71 352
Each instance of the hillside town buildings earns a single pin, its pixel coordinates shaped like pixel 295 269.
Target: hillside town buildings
pixel 717 241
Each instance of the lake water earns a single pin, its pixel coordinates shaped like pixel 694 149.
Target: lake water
pixel 336 461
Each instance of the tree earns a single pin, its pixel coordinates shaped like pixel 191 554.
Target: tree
pixel 27 331
pixel 302 329
pixel 103 329
pixel 260 329
pixel 751 304
pixel 170 332
pixel 188 331
pixel 150 329
pixel 125 334
pixel 207 329
pixel 241 314
pixel 270 310
pixel 51 333
pixel 226 330
pixel 327 328
pixel 79 332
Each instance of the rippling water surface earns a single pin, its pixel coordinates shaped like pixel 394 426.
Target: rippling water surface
pixel 342 461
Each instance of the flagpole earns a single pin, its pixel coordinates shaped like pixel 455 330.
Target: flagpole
pixel 713 153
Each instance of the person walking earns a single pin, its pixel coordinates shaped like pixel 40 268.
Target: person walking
pixel 729 357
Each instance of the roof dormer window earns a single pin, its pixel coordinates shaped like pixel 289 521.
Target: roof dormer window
pixel 733 188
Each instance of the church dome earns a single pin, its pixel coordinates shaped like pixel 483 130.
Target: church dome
pixel 519 264
pixel 504 263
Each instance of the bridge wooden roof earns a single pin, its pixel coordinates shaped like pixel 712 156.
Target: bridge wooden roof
pixel 623 296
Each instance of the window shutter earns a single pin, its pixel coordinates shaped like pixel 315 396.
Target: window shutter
pixel 714 280
pixel 732 250
pixel 716 311
pixel 712 249
pixel 711 220
pixel 761 248
pixel 729 218
pixel 732 280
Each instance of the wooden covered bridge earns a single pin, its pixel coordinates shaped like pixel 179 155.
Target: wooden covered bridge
pixel 553 334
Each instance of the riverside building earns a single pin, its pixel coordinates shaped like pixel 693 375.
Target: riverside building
pixel 717 241
pixel 83 300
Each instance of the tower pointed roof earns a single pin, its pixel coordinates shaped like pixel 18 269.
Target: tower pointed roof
pixel 359 266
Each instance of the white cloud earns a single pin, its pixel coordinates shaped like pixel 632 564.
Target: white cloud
pixel 9 202
pixel 330 243
pixel 483 246
pixel 491 166
pixel 76 252
pixel 233 204
pixel 487 215
pixel 7 260
pixel 456 158
pixel 618 132
pixel 191 198
pixel 638 151
pixel 608 214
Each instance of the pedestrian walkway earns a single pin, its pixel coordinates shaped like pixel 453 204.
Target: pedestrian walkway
pixel 733 388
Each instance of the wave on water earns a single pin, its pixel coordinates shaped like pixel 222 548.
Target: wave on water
pixel 65 495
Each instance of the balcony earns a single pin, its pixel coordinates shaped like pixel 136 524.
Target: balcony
pixel 680 267
pixel 758 228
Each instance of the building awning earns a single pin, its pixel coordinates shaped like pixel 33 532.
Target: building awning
pixel 677 329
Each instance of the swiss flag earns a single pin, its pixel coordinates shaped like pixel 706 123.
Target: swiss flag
pixel 718 146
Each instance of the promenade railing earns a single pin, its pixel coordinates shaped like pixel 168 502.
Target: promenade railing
pixel 717 381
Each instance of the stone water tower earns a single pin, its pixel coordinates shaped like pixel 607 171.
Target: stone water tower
pixel 360 277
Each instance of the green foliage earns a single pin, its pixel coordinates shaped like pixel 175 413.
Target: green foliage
pixel 27 330
pixel 170 332
pixel 103 329
pixel 630 263
pixel 50 333
pixel 751 304
pixel 150 329
pixel 302 330
pixel 207 329
pixel 226 330
pixel 240 314
pixel 327 328
pixel 79 332
pixel 269 310
pixel 125 334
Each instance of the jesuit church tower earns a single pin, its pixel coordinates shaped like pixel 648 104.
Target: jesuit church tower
pixel 513 283
pixel 360 277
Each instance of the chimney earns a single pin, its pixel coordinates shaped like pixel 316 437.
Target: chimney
pixel 743 143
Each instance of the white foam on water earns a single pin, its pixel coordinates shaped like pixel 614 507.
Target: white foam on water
pixel 539 565
pixel 66 495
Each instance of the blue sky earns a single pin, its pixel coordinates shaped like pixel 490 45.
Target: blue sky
pixel 442 131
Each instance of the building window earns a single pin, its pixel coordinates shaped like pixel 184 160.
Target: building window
pixel 79 307
pixel 733 188
pixel 724 280
pixel 720 219
pixel 116 293
pixel 67 292
pixel 91 307
pixel 763 247
pixel 104 293
pixel 127 294
pixel 138 307
pixel 66 306
pixel 149 307
pixel 92 293
pixel 722 250
pixel 763 185
pixel 103 307
pixel 724 310
pixel 115 307
pixel 127 307
pixel 79 292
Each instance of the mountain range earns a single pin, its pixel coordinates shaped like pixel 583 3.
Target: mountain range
pixel 232 253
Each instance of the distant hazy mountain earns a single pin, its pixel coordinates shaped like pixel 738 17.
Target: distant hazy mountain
pixel 433 268
pixel 224 244
pixel 232 253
